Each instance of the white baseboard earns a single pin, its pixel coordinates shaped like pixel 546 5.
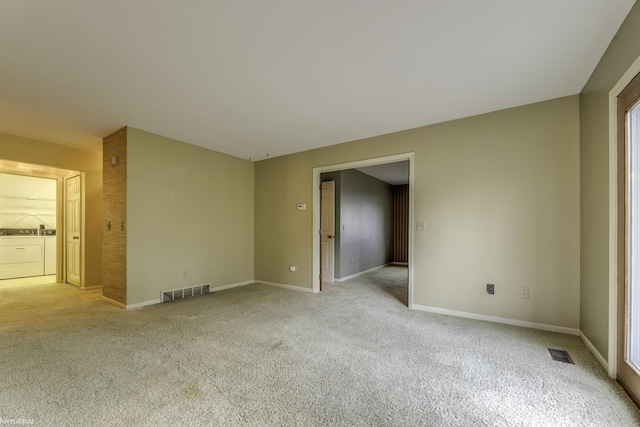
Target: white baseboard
pixel 158 301
pixel 280 285
pixel 114 302
pixel 344 279
pixel 143 303
pixel 595 352
pixel 495 319
pixel 231 285
pixel 91 288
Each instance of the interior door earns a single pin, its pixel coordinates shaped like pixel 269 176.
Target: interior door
pixel 327 231
pixel 628 362
pixel 73 229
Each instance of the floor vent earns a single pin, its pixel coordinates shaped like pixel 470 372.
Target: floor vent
pixel 560 356
pixel 192 291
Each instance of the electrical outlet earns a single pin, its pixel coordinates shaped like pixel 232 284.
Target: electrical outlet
pixel 490 289
pixel 292 268
pixel 524 292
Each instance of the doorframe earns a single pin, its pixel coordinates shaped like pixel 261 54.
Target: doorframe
pixel 16 167
pixel 613 214
pixel 316 211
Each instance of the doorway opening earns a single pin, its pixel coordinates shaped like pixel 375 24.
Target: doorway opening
pixel 365 234
pixel 33 201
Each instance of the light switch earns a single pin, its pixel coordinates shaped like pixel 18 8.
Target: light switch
pixel 302 206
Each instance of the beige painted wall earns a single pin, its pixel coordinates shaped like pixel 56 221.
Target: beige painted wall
pixel 499 193
pixel 594 180
pixel 188 209
pixel 25 150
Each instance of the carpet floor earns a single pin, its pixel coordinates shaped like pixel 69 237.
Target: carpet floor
pixel 258 355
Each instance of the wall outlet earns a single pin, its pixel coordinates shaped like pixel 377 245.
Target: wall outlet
pixel 421 226
pixel 292 268
pixel 524 292
pixel 490 289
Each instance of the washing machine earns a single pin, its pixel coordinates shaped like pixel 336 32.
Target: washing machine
pixel 21 253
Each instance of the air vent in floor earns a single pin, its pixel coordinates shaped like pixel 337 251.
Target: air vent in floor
pixel 560 356
pixel 192 291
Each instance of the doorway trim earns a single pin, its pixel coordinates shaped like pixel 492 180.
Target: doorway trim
pixel 626 78
pixel 316 211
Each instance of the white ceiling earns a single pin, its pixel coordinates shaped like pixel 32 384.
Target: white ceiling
pixel 251 78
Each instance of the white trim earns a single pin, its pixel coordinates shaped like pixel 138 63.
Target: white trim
pixel 494 319
pixel 281 285
pixel 230 286
pixel 405 264
pixel 595 352
pixel 114 302
pixel 344 279
pixel 613 214
pixel 315 279
pixel 158 301
pixel 143 304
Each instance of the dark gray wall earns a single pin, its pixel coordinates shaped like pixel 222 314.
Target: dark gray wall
pixel 366 212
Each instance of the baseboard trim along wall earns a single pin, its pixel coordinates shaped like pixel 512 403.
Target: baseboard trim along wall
pixel 495 319
pixel 231 285
pixel 344 279
pixel 143 304
pixel 158 301
pixel 114 302
pixel 280 285
pixel 595 352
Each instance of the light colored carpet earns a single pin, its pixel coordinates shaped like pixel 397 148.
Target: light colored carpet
pixel 258 355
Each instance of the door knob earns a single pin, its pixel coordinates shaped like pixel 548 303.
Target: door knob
pixel 330 237
pixel 76 238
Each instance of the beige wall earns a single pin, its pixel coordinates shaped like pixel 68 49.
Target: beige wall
pixel 188 210
pixel 25 150
pixel 499 193
pixel 594 180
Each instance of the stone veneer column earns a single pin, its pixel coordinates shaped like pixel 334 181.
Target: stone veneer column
pixel 114 227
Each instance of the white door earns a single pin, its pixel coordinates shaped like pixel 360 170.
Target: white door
pixel 72 229
pixel 327 231
pixel 629 237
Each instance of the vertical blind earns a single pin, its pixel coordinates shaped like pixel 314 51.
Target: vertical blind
pixel 401 223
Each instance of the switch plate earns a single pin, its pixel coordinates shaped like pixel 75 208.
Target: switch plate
pixel 292 268
pixel 302 206
pixel 490 289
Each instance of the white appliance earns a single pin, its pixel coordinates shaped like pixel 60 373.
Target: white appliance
pixel 21 253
